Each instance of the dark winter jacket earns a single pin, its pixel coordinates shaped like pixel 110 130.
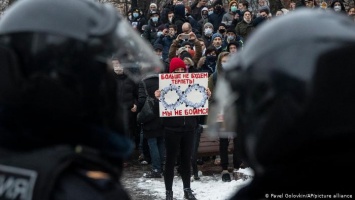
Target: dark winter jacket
pixel 207 40
pixel 138 22
pixel 150 31
pixel 152 128
pixel 243 29
pixel 209 65
pixel 179 17
pixel 216 19
pixel 196 11
pixel 166 42
pixel 127 91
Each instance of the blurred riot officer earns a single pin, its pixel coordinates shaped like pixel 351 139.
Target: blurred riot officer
pixel 59 126
pixel 295 106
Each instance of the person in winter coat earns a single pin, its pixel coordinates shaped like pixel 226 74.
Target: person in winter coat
pixel 151 30
pixel 127 93
pixel 137 20
pixel 208 31
pixel 208 62
pixel 179 17
pixel 152 130
pixel 166 39
pixel 176 47
pixel 216 17
pixel 246 26
pixel 179 136
pixel 196 8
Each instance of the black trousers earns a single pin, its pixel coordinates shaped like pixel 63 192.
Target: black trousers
pixel 196 144
pixel 223 152
pixel 175 141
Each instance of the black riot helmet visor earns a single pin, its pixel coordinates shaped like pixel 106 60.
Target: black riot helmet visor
pixel 292 95
pixel 103 32
pixel 55 63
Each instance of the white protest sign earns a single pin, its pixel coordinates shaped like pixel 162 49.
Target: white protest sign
pixel 183 94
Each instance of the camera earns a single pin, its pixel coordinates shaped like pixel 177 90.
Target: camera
pixel 185 36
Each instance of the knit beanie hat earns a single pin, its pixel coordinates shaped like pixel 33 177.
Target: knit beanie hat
pixel 208 24
pixel 153 4
pixel 176 63
pixel 230 3
pixel 216 35
pixel 204 9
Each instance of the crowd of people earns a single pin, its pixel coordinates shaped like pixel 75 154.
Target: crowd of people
pixel 202 36
pixel 61 102
pixel 197 38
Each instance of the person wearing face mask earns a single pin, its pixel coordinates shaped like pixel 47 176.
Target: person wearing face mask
pixel 208 63
pixel 231 37
pixel 179 138
pixel 210 10
pixel 137 20
pixel 196 8
pixel 338 6
pixel 152 8
pixel 152 29
pixel 216 17
pixel 203 20
pixel 127 91
pixel 208 31
pixel 217 42
pixel 222 29
pixel 232 15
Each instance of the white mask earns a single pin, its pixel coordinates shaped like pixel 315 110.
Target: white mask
pixel 337 8
pixel 155 19
pixel 208 31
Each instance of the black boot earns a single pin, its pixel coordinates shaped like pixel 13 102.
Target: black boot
pixel 153 174
pixel 169 195
pixel 188 194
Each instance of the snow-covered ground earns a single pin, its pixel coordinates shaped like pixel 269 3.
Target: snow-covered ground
pixel 208 188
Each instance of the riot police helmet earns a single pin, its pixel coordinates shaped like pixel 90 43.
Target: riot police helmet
pixel 56 77
pixel 294 94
